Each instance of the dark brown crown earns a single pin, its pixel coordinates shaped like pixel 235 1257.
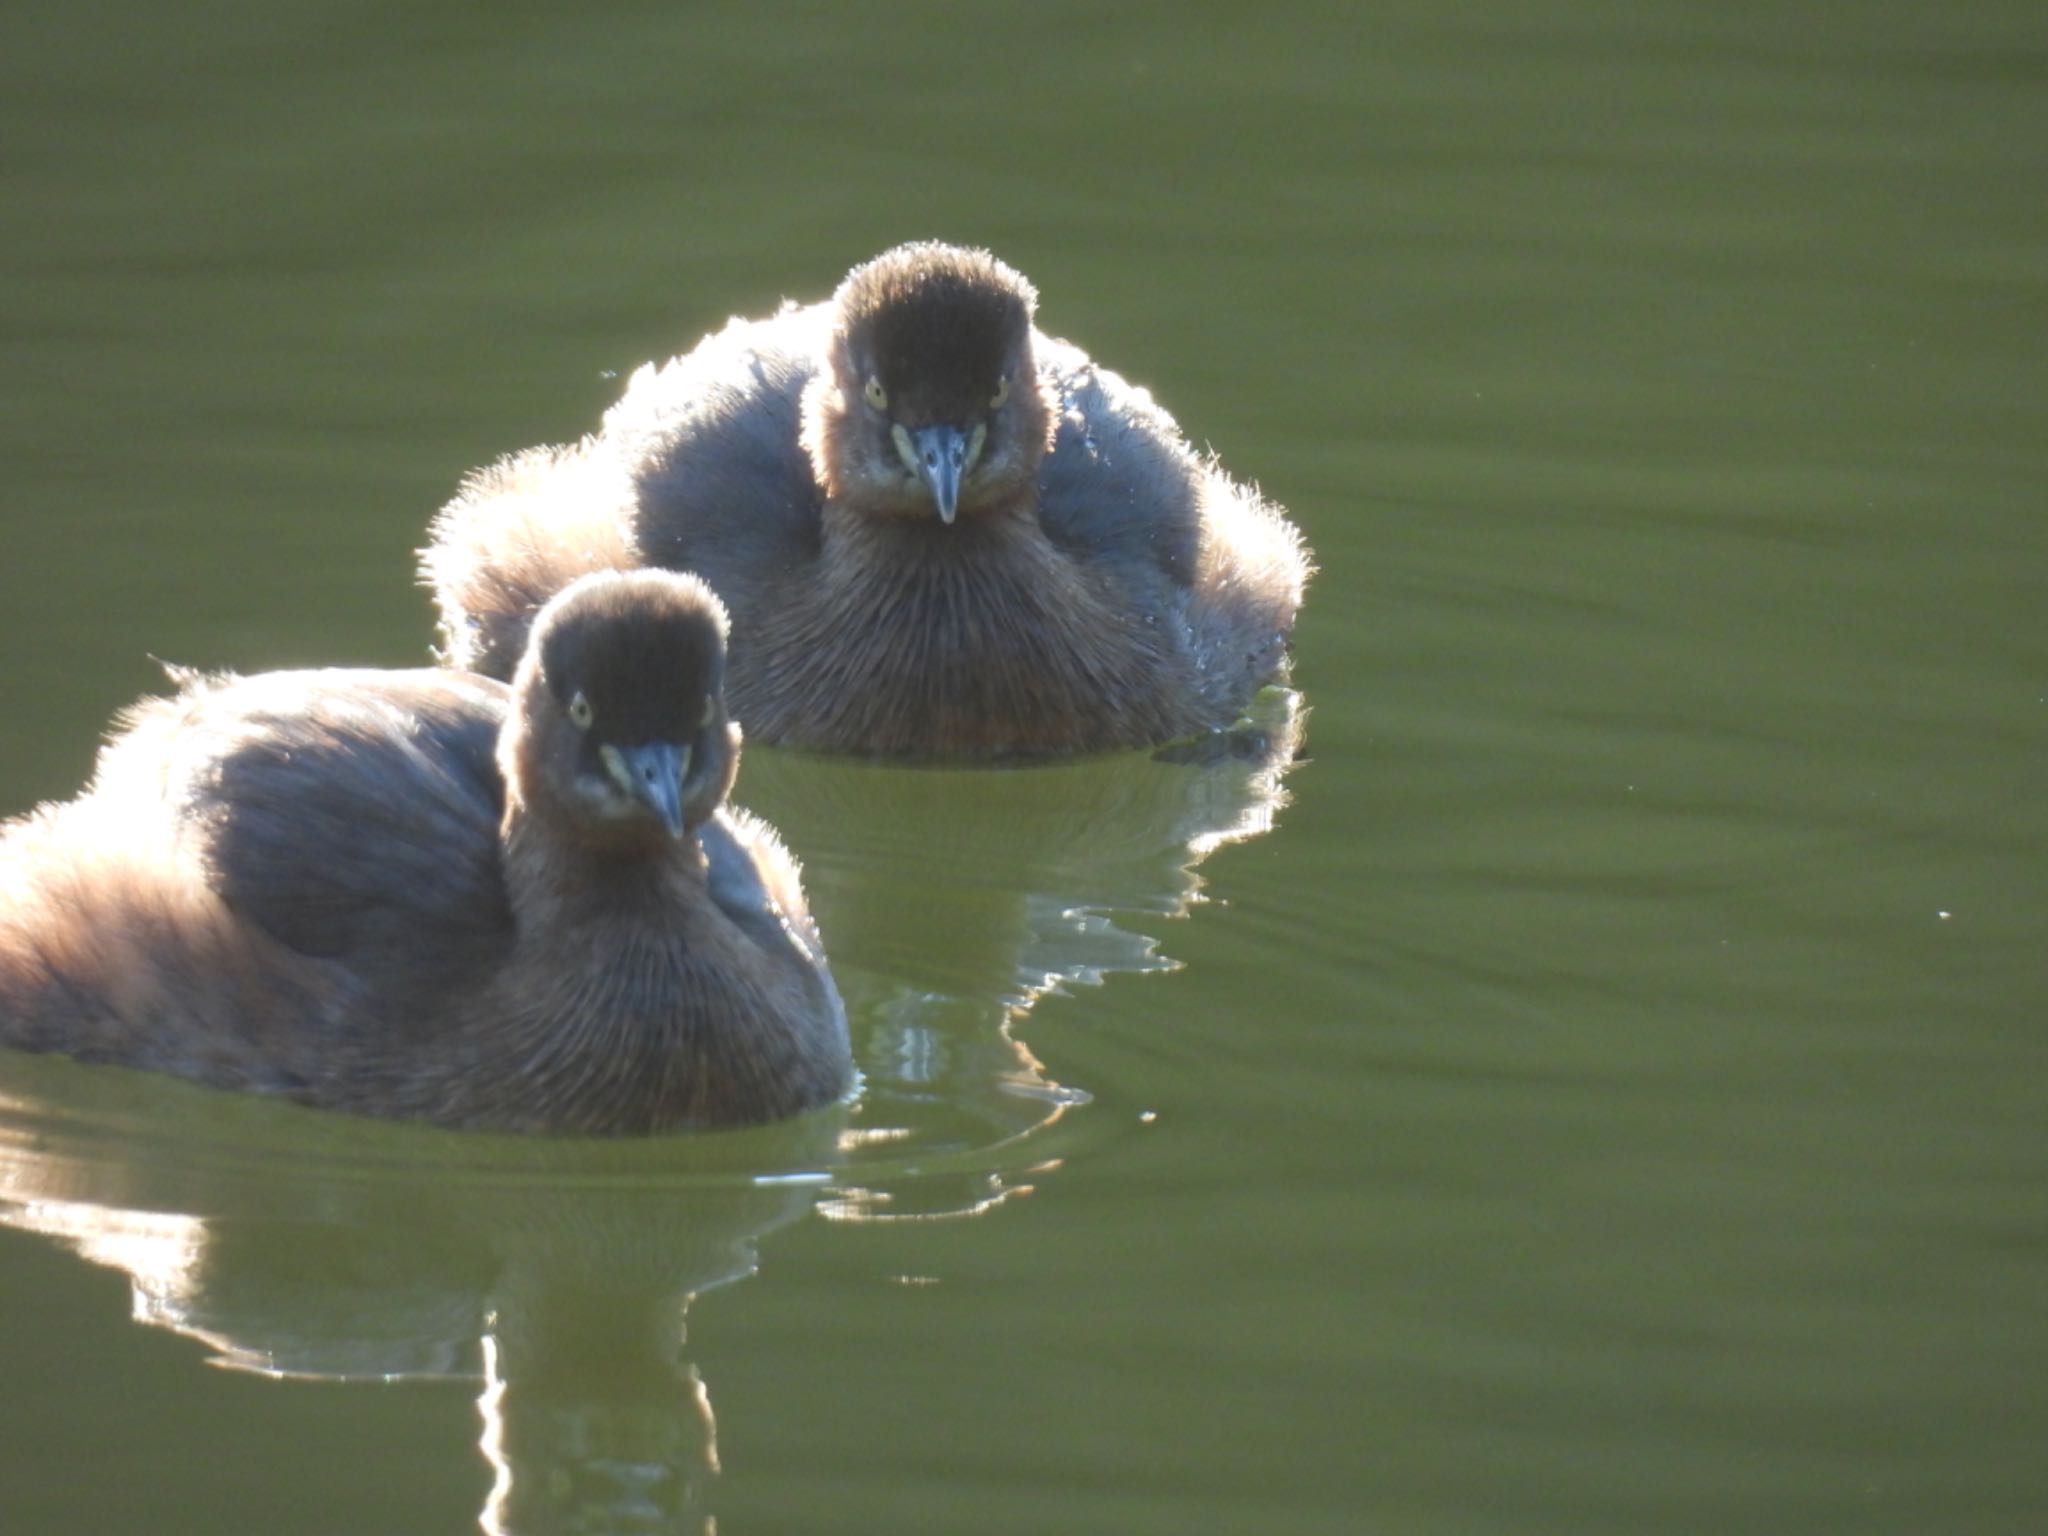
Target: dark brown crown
pixel 937 323
pixel 646 649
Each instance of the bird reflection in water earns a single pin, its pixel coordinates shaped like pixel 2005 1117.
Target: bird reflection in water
pixel 556 1274
pixel 957 902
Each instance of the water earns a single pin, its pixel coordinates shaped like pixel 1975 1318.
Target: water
pixel 1598 1090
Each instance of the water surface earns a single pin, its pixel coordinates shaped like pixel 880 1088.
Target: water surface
pixel 1598 1090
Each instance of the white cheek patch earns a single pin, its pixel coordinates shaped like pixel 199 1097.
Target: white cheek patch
pixel 615 765
pixel 905 449
pixel 603 799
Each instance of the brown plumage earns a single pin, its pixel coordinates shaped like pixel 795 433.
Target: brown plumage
pixel 428 895
pixel 940 532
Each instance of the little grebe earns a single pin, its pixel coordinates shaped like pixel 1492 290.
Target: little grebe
pixel 429 895
pixel 940 532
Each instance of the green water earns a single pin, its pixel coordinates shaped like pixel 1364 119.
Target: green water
pixel 1600 1089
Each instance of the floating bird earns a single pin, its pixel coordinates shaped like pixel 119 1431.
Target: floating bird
pixel 941 533
pixel 434 896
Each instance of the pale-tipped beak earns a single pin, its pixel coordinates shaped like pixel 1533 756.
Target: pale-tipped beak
pixel 653 774
pixel 940 457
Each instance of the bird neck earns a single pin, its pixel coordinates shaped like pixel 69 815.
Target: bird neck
pixel 1008 523
pixel 558 878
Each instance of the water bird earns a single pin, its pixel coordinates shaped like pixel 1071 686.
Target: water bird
pixel 941 533
pixel 430 895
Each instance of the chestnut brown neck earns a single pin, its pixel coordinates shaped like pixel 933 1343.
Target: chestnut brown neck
pixel 559 875
pixel 979 640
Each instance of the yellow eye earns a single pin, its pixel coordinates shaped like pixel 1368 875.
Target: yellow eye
pixel 581 712
pixel 875 395
pixel 995 401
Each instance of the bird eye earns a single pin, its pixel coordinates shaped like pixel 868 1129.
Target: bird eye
pixel 995 401
pixel 710 709
pixel 875 395
pixel 581 712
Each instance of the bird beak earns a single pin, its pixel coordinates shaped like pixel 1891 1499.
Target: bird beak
pixel 939 457
pixel 653 775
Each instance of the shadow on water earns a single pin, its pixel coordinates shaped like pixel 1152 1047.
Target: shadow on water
pixel 556 1275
